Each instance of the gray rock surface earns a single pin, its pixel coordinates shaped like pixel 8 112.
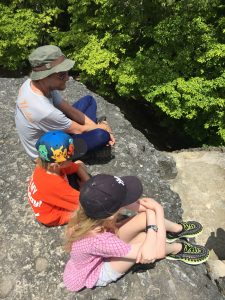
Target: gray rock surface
pixel 200 184
pixel 32 258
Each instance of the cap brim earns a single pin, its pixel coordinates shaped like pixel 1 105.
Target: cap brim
pixel 66 65
pixel 134 189
pixel 80 148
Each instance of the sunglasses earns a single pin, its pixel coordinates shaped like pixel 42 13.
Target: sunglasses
pixel 62 75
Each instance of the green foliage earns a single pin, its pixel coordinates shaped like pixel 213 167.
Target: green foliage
pixel 22 29
pixel 170 53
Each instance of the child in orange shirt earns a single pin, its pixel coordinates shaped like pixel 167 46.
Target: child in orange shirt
pixel 50 194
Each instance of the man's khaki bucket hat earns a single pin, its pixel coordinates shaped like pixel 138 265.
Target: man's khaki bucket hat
pixel 46 60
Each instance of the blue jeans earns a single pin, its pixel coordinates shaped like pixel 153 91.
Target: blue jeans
pixel 97 138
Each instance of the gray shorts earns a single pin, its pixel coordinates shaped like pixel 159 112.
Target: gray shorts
pixel 107 275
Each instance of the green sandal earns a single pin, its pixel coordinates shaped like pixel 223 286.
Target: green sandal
pixel 190 254
pixel 190 230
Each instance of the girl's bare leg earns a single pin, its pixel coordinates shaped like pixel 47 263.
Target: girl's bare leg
pixel 128 231
pixel 132 232
pixel 172 227
pixel 137 224
pixel 123 264
pixel 173 248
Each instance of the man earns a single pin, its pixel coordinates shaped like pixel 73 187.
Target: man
pixel 41 108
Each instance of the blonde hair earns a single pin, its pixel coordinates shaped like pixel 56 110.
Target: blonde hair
pixel 43 164
pixel 48 166
pixel 80 226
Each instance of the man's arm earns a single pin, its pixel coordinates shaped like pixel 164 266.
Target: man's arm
pixel 81 123
pixel 75 114
pixel 71 112
pixel 77 128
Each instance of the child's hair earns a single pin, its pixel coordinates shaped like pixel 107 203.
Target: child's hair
pixel 80 226
pixel 43 164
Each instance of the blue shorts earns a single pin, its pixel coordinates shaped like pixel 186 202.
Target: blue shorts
pixel 107 275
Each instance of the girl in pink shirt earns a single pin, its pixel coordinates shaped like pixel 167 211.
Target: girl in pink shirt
pixel 102 250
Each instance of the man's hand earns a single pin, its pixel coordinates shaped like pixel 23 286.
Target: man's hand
pixel 112 140
pixel 81 123
pixel 105 126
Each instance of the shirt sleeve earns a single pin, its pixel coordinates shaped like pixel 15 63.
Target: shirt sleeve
pixel 109 245
pixel 70 169
pixel 56 120
pixel 56 98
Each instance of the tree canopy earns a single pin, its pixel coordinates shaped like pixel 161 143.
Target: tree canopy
pixel 168 52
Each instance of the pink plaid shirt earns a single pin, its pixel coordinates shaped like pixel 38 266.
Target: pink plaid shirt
pixel 87 257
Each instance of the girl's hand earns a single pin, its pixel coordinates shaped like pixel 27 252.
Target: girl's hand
pixel 138 206
pixel 146 254
pixel 135 206
pixel 143 204
pixel 149 203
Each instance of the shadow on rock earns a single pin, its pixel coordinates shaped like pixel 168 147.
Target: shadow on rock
pixel 216 242
pixel 101 156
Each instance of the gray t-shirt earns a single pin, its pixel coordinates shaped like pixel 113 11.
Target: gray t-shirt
pixel 36 114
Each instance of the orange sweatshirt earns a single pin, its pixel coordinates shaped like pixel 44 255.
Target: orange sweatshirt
pixel 51 197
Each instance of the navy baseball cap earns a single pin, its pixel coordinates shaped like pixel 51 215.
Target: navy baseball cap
pixel 58 146
pixel 103 195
